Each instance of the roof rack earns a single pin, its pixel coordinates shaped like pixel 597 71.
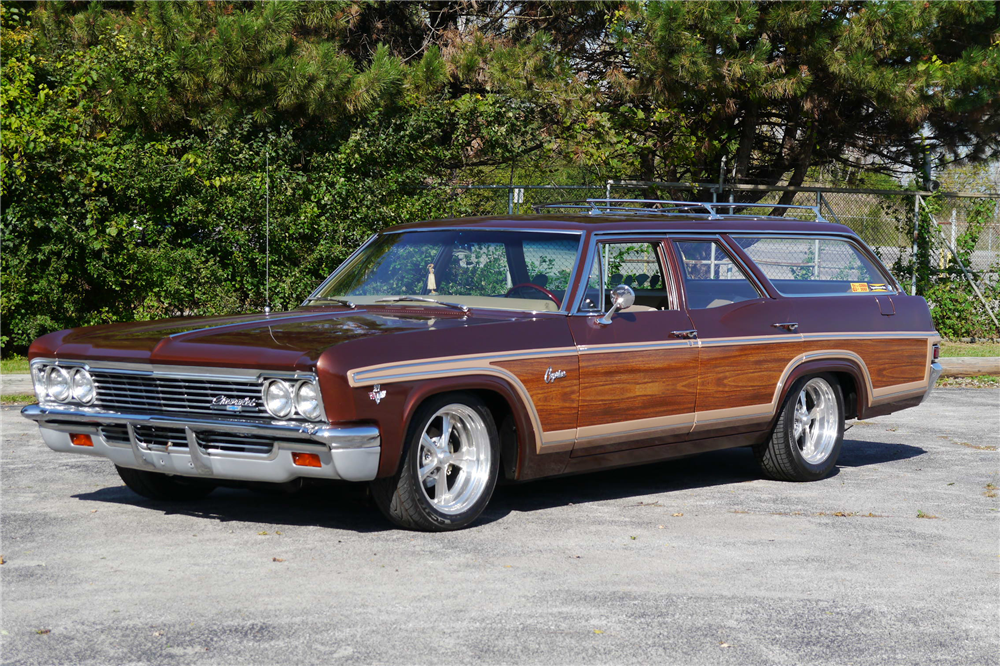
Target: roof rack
pixel 708 210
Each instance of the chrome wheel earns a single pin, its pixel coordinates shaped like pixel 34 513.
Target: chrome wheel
pixel 815 426
pixel 454 458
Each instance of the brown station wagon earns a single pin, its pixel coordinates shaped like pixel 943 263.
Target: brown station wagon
pixel 445 355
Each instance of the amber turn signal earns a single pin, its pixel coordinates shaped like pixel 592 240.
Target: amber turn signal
pixel 306 459
pixel 81 440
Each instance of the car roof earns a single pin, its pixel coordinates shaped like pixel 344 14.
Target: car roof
pixel 610 223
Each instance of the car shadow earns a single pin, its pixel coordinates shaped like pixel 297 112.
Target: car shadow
pixel 341 506
pixel 347 506
pixel 716 468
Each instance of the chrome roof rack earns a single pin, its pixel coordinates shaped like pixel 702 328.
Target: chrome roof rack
pixel 708 210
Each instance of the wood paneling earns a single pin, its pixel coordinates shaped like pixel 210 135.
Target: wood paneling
pixel 741 375
pixel 555 402
pixel 629 385
pixel 890 361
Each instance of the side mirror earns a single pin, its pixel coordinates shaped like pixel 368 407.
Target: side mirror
pixel 622 298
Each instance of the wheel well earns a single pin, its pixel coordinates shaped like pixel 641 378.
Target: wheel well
pixel 850 390
pixel 503 416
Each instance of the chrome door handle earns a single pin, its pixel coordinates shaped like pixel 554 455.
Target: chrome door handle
pixel 687 335
pixel 790 326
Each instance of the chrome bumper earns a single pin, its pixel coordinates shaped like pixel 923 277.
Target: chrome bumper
pixel 350 453
pixel 936 370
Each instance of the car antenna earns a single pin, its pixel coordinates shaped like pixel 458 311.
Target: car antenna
pixel 267 233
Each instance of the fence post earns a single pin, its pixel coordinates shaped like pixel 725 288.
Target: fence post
pixel 510 200
pixel 913 252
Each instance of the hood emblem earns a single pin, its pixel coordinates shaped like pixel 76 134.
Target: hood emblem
pixel 228 404
pixel 377 394
pixel 552 375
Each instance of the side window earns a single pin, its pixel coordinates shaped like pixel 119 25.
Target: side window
pixel 810 266
pixel 711 278
pixel 632 263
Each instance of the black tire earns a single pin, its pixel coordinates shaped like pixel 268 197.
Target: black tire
pixel 781 457
pixel 404 499
pixel 156 486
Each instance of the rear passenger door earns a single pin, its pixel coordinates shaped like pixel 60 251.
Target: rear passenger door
pixel 747 337
pixel 638 374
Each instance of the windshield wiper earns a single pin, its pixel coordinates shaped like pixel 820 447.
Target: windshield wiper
pixel 342 301
pixel 421 299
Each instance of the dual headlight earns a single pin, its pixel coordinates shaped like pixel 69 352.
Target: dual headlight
pixel 284 399
pixel 61 384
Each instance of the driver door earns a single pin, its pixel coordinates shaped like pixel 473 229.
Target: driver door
pixel 638 374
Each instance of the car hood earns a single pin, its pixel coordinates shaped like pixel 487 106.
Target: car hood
pixel 276 341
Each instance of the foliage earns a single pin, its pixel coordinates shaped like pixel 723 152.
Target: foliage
pixel 136 137
pixel 957 311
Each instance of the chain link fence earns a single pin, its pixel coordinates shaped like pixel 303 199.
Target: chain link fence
pixel 927 240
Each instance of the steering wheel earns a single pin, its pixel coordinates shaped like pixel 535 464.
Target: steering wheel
pixel 532 285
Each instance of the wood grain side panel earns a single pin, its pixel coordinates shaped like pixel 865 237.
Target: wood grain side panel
pixel 741 375
pixel 890 361
pixel 556 402
pixel 631 385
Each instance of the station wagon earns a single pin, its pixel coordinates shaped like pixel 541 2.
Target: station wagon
pixel 446 355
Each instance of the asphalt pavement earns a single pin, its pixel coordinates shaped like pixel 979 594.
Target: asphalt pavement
pixel 894 559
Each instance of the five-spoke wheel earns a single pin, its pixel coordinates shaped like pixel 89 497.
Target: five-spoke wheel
pixel 450 468
pixel 806 440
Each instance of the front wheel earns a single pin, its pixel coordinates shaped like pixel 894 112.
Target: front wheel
pixel 450 468
pixel 807 438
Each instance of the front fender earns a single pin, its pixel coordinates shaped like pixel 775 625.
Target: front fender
pixel 393 412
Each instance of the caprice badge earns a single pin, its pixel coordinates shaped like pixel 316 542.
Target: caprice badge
pixel 552 375
pixel 223 402
pixel 377 393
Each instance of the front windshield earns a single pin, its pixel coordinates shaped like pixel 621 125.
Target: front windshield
pixel 508 270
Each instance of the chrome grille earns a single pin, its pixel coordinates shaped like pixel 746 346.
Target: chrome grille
pixel 126 392
pixel 231 443
pixel 211 442
pixel 150 436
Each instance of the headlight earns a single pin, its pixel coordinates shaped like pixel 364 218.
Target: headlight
pixel 307 400
pixel 83 386
pixel 278 398
pixel 58 383
pixel 38 379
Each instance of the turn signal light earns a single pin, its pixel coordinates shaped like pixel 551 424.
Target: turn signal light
pixel 81 440
pixel 937 352
pixel 306 459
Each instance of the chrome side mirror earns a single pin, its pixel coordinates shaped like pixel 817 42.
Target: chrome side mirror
pixel 622 298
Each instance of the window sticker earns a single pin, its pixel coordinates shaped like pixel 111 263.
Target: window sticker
pixel 878 287
pixel 859 286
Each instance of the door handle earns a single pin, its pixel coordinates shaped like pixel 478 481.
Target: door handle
pixel 687 335
pixel 790 326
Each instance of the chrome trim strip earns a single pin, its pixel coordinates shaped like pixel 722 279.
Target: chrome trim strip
pixel 334 437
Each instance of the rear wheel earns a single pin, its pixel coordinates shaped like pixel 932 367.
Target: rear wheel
pixel 450 468
pixel 807 438
pixel 156 486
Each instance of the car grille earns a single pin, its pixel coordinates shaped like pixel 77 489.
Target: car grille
pixel 160 437
pixel 125 392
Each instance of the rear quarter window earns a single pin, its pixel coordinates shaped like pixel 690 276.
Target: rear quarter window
pixel 814 266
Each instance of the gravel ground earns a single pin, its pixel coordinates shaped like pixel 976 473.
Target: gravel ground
pixel 697 561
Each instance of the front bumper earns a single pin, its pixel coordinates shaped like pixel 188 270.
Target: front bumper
pixel 350 453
